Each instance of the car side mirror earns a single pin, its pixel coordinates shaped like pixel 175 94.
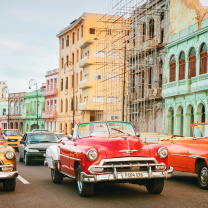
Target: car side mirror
pixel 138 134
pixel 22 142
pixel 69 137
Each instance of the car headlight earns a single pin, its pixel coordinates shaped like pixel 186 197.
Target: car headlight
pixel 92 154
pixel 163 152
pixel 32 150
pixel 9 155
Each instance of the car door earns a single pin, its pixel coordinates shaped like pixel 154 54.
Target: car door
pixel 22 145
pixel 179 152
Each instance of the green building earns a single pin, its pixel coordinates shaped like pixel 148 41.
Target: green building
pixel 30 111
pixel 186 89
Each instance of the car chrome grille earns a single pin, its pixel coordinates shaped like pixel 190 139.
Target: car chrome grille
pixel 12 140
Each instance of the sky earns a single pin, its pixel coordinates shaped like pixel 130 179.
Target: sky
pixel 28 43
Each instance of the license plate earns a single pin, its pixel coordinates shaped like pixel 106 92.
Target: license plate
pixel 132 175
pixel 12 144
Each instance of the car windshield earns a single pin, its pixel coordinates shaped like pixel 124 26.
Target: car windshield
pixel 42 138
pixel 11 132
pixel 105 129
pixel 200 131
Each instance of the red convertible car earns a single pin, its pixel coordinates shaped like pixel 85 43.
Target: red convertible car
pixel 108 152
pixel 190 154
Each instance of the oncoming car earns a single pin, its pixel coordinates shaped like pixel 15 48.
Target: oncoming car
pixel 8 172
pixel 33 146
pixel 108 152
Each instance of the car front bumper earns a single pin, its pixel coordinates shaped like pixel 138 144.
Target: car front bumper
pixel 7 174
pixel 36 156
pixel 116 176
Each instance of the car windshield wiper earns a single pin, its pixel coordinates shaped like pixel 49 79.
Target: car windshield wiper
pixel 123 132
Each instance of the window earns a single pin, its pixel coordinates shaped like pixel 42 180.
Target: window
pixel 51 106
pixel 66 107
pixel 203 59
pixel 12 108
pixel 67 40
pixel 99 99
pixel 62 43
pixel 17 108
pixel 151 28
pixel 73 58
pixel 61 106
pixel 81 54
pixel 62 85
pixel 51 83
pixel 21 107
pixel 99 76
pixel 4 111
pixel 67 60
pixel 55 104
pixel 112 100
pixel 192 63
pixel 66 84
pixel 73 37
pixel 48 106
pixel 92 31
pixel 182 65
pixel 172 68
pixel 162 36
pixel 72 81
pixel 80 78
pixel 76 80
pixel 55 82
pixel 62 63
pixel 78 34
pixel 144 32
pixel 80 98
pixel 48 86
pixel 77 55
pixel 150 77
pixel 108 32
pixel 162 16
pixel 82 31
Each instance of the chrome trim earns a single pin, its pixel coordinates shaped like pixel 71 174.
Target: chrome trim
pixel 68 175
pixel 179 155
pixel 190 156
pixel 5 175
pixel 128 151
pixel 118 176
pixel 9 166
pixel 70 157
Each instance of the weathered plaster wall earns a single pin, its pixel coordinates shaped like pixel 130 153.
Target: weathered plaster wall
pixel 184 13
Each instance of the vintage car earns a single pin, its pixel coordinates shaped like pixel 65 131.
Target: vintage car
pixel 190 154
pixel 108 152
pixel 8 171
pixel 33 146
pixel 13 136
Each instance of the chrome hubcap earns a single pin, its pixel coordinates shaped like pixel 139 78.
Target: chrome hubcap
pixel 204 176
pixel 79 181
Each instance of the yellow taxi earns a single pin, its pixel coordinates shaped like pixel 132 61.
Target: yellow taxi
pixel 13 137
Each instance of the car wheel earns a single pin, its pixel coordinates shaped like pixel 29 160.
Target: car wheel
pixel 9 184
pixel 56 176
pixel 20 159
pixel 155 186
pixel 26 160
pixel 203 176
pixel 85 189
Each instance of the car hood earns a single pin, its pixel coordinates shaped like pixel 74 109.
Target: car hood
pixel 115 146
pixel 40 145
pixel 14 137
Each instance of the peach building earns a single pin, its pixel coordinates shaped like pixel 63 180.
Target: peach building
pixel 51 97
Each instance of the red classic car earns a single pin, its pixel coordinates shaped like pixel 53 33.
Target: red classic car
pixel 106 152
pixel 190 154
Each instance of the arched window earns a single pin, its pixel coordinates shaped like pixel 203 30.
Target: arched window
pixel 182 65
pixel 151 28
pixel 203 59
pixel 12 107
pixel 17 108
pixel 172 68
pixel 192 63
pixel 48 106
pixel 21 107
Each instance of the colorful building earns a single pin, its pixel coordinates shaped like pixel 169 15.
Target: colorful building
pixel 186 90
pixel 3 113
pixel 30 117
pixel 51 97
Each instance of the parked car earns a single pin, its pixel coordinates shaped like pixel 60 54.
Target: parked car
pixel 8 172
pixel 190 154
pixel 35 130
pixel 33 146
pixel 108 152
pixel 59 135
pixel 13 136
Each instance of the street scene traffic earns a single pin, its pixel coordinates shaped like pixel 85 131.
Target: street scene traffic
pixel 109 108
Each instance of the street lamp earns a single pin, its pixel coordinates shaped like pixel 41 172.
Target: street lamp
pixel 33 82
pixel 6 89
pixel 66 68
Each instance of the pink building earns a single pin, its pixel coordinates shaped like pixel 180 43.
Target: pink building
pixel 51 96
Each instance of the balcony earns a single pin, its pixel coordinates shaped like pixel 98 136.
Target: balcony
pixel 199 83
pixel 86 106
pixel 49 115
pixel 86 83
pixel 155 93
pixel 50 92
pixel 86 61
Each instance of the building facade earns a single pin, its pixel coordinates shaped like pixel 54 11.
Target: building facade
pixel 51 100
pixel 4 113
pixel 31 116
pixel 76 85
pixel 186 90
pixel 3 85
pixel 16 108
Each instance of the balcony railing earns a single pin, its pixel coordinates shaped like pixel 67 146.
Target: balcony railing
pixel 86 83
pixel 86 61
pixel 50 92
pixel 52 114
pixel 86 106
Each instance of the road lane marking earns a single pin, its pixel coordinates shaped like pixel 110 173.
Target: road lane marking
pixel 22 179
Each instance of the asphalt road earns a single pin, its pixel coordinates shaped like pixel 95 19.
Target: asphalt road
pixel 180 191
